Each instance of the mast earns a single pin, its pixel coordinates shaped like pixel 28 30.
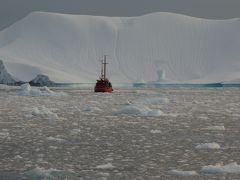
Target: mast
pixel 104 66
pixel 101 77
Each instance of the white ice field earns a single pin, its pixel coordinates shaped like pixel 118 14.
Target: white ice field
pixel 129 134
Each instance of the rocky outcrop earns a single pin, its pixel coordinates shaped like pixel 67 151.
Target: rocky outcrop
pixel 41 80
pixel 5 77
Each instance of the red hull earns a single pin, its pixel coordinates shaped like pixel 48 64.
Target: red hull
pixel 103 86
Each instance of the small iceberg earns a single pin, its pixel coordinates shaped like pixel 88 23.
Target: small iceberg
pixel 208 146
pixel 232 168
pixel 183 173
pixel 133 110
pixel 27 90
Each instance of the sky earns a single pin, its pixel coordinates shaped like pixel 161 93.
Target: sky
pixel 13 10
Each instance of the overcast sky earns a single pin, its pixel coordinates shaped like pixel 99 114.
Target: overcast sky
pixel 13 10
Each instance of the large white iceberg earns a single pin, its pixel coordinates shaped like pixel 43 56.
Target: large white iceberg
pixel 153 47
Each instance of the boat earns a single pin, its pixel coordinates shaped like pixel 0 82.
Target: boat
pixel 103 84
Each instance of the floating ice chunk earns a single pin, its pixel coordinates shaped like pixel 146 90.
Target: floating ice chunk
pixel 42 173
pixel 18 157
pixel 27 90
pixel 44 112
pixel 139 111
pixel 155 131
pixel 92 109
pixel 105 166
pixel 208 146
pixel 153 101
pixel 183 173
pixel 6 87
pixel 75 131
pixel 154 112
pixel 217 128
pixel 233 168
pixel 55 139
pixel 4 135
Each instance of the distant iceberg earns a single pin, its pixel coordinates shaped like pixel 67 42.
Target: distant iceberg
pixel 156 47
pixel 41 80
pixel 5 77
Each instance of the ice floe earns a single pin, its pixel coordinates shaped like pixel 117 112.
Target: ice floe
pixel 155 131
pixel 208 146
pixel 75 132
pixel 6 87
pixel 215 128
pixel 56 139
pixel 43 112
pixel 152 101
pixel 27 90
pixel 233 168
pixel 183 173
pixel 105 166
pixel 92 109
pixel 51 173
pixel 4 135
pixel 139 111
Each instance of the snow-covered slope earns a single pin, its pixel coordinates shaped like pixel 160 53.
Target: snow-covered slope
pixel 67 48
pixel 5 77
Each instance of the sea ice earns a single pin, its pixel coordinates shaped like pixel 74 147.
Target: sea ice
pixel 92 109
pixel 27 90
pixel 155 131
pixel 51 173
pixel 139 111
pixel 75 132
pixel 44 112
pixel 217 128
pixel 183 173
pixel 208 146
pixel 233 168
pixel 105 166
pixel 153 101
pixel 4 135
pixel 55 139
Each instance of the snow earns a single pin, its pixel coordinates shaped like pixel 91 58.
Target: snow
pixel 183 173
pixel 208 146
pixel 233 168
pixel 157 47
